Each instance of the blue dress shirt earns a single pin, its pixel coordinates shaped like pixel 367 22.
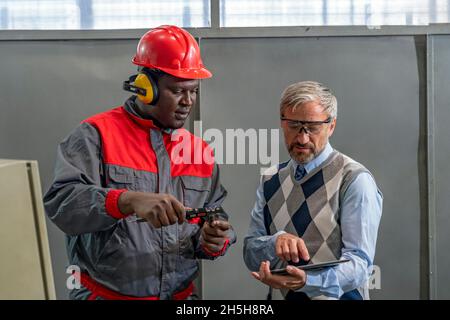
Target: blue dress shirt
pixel 359 217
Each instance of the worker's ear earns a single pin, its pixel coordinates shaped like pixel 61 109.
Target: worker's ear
pixel 144 85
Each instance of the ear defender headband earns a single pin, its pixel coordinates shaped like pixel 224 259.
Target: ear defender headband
pixel 144 85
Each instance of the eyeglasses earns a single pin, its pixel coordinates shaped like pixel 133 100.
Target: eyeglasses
pixel 310 127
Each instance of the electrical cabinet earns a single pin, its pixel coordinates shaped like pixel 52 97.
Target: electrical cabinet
pixel 25 267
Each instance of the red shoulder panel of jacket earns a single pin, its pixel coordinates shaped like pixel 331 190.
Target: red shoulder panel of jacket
pixel 124 142
pixel 189 154
pixel 127 143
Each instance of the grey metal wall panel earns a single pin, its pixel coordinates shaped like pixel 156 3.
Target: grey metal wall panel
pixel 46 89
pixel 376 81
pixel 441 79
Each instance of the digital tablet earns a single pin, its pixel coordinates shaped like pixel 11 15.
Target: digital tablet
pixel 311 266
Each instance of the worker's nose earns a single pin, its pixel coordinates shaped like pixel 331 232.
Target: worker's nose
pixel 187 99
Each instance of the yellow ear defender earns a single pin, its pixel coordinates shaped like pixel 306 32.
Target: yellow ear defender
pixel 144 86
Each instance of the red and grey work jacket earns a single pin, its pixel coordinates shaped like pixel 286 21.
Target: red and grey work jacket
pixel 118 150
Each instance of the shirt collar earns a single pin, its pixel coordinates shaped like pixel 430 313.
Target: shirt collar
pixel 129 107
pixel 317 161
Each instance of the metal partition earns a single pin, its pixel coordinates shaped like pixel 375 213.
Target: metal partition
pixel 440 49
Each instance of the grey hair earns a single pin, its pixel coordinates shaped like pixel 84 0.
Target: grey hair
pixel 298 93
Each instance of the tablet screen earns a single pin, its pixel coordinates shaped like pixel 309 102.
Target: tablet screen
pixel 314 266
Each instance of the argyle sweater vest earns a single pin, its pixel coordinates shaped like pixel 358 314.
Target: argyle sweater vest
pixel 310 207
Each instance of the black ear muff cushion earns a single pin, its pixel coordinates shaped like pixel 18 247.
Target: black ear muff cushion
pixel 154 85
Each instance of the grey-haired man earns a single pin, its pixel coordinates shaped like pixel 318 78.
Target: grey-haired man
pixel 320 205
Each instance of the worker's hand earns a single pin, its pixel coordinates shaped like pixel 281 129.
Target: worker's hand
pixel 291 248
pixel 160 209
pixel 295 280
pixel 214 235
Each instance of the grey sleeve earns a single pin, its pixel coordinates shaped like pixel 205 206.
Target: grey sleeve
pixel 75 201
pixel 215 198
pixel 217 192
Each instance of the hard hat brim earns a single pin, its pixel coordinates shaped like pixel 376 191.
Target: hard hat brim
pixel 198 73
pixel 201 73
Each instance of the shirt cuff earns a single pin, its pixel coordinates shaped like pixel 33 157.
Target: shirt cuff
pixel 314 286
pixel 112 203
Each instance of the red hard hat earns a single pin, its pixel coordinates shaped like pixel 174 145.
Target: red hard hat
pixel 172 50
